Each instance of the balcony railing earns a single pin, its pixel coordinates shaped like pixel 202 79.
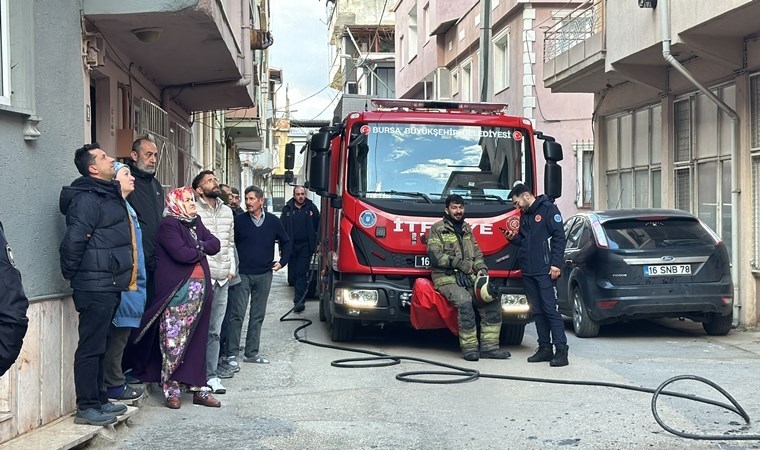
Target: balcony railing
pixel 577 26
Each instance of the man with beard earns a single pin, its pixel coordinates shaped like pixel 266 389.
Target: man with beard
pixel 148 202
pixel 301 220
pixel 217 217
pixel 455 260
pixel 541 242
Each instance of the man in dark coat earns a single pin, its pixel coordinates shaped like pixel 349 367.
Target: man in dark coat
pixel 541 242
pixel 13 305
pixel 97 257
pixel 148 202
pixel 300 217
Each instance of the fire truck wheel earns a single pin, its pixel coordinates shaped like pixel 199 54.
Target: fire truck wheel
pixel 512 334
pixel 342 330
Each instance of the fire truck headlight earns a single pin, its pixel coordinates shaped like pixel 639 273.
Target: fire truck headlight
pixel 356 298
pixel 514 304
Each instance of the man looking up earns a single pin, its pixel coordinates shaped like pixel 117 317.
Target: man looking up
pixel 148 202
pixel 456 259
pixel 217 217
pixel 97 258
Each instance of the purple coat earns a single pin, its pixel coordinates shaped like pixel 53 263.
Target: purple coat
pixel 176 255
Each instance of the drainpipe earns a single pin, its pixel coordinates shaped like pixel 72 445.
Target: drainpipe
pixel 665 16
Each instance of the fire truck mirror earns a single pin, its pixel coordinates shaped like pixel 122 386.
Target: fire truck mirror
pixel 552 179
pixel 290 156
pixel 319 162
pixel 320 142
pixel 552 151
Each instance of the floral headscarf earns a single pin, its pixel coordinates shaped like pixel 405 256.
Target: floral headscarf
pixel 175 204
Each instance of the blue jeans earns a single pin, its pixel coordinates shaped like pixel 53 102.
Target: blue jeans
pixel 256 289
pixel 218 310
pixel 542 296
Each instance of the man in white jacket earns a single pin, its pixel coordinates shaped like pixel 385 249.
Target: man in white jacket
pixel 217 217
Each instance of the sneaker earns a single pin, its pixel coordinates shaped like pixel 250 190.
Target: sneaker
pixel 223 372
pixel 299 307
pixel 233 363
pixel 216 386
pixel 257 358
pixel 117 409
pixel 92 416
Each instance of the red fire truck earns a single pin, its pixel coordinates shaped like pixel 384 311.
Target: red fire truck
pixel 383 175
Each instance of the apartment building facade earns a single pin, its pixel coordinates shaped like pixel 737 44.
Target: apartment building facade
pixel 677 100
pixel 439 55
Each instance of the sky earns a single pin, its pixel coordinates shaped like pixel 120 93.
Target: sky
pixel 301 50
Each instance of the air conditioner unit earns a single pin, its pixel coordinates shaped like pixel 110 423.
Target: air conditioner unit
pixel 442 83
pixel 94 50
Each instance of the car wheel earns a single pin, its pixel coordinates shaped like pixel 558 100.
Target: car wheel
pixel 511 334
pixel 717 325
pixel 583 325
pixel 342 330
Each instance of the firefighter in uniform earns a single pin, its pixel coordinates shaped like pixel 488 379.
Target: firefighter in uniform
pixel 13 305
pixel 456 260
pixel 541 242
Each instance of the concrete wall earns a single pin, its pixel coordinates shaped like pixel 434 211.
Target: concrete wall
pixel 39 387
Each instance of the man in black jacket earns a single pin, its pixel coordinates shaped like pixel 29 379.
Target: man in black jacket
pixel 98 258
pixel 13 305
pixel 300 217
pixel 148 202
pixel 541 239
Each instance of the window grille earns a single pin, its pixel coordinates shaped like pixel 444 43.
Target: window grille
pixel 682 189
pixel 756 210
pixel 682 119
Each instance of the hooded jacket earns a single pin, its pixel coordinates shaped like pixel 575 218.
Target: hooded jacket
pixel 96 251
pixel 148 201
pixel 537 252
pixel 448 251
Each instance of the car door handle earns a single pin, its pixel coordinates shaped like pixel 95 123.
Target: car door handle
pixel 568 262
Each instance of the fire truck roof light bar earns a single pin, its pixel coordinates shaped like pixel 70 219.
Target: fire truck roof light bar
pixel 428 104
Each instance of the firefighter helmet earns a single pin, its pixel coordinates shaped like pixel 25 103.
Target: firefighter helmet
pixel 483 291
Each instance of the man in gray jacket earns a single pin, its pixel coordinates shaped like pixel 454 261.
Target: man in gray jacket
pixel 217 217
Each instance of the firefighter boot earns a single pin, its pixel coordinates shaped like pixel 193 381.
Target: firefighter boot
pixel 560 356
pixel 542 354
pixel 468 342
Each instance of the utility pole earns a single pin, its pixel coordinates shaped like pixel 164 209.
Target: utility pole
pixel 486 81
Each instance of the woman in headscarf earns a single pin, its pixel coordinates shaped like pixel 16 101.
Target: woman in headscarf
pixel 174 330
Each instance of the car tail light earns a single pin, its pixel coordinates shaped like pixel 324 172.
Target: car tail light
pixel 606 304
pixel 599 236
pixel 727 300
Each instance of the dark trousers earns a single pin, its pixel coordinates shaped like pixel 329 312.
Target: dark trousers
pixel 542 296
pixel 299 264
pixel 96 310
pixel 117 341
pixel 233 298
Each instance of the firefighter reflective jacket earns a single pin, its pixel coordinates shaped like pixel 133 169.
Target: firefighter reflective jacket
pixel 448 251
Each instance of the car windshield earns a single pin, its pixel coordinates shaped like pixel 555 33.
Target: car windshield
pixel 427 162
pixel 633 234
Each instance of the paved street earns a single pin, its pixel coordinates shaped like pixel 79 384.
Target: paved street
pixel 300 401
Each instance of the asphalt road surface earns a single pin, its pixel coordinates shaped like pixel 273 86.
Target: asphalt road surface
pixel 300 401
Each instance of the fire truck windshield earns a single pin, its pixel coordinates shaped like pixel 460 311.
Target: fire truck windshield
pixel 427 162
